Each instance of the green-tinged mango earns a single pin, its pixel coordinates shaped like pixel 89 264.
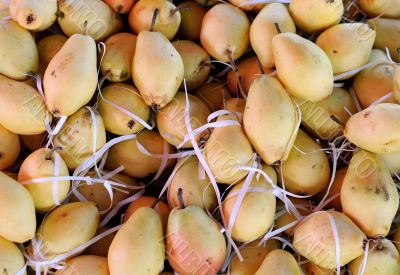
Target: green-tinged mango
pixel 36 15
pixel 48 47
pixel 192 15
pixel 11 258
pixel 9 148
pixel 279 262
pixel 85 265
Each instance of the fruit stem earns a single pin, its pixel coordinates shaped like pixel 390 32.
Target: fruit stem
pixel 153 20
pixel 338 121
pixel 51 151
pixel 277 27
pixel 180 199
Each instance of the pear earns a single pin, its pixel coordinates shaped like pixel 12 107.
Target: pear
pixel 76 137
pixel 302 205
pixel 312 269
pixel 235 105
pixel 368 179
pixel 22 109
pixel 48 47
pixel 17 211
pixel 118 56
pixel 93 18
pixel 41 164
pixel 11 258
pixel 334 194
pixel 155 53
pixel 32 142
pixel 392 162
pixel 194 241
pixel 167 18
pixel 271 133
pixel 306 170
pixel 386 34
pixel 313 16
pixel 101 247
pixel 295 59
pixel 347 45
pixel 86 264
pixel 226 150
pixel 36 15
pixel 195 61
pixel 67 227
pixel 63 86
pixel 138 164
pixel 279 262
pixel 120 6
pixel 376 128
pixel 314 239
pixel 192 15
pixel 98 194
pixel 138 247
pixel 263 29
pixel 245 6
pixel 383 258
pixel 319 117
pixel 17 43
pixel 196 191
pixel 253 256
pixel 161 207
pixel 373 83
pixel 128 98
pixel 384 8
pixel 9 148
pixel 171 119
pixel 213 94
pixel 225 32
pixel 257 210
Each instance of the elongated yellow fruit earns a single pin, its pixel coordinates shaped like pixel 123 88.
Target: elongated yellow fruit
pixel 11 258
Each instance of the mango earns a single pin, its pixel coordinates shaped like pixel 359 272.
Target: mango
pixel 380 8
pixel 48 47
pixel 35 15
pixel 11 258
pixel 192 15
pixel 85 264
pixel 279 262
pixel 9 148
pixel 386 30
pixel 213 94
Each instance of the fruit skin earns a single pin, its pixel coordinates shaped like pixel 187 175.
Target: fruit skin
pixel 316 116
pixel 138 247
pixel 191 231
pixel 263 29
pixel 17 211
pixel 85 264
pixel 67 227
pixel 253 256
pixel 235 105
pixel 335 190
pixel 225 32
pixel 386 35
pixel 19 43
pixel 127 97
pixel 347 45
pixel 392 162
pixel 226 150
pixel 191 20
pixel 171 119
pixel 383 258
pixel 36 15
pixel 368 179
pixel 376 128
pixel 93 18
pixel 295 59
pixel 382 8
pixel 313 269
pixel 373 83
pixel 157 69
pixel 167 21
pixel 100 248
pixel 138 164
pixel 48 47
pixel 62 82
pixel 117 60
pixel 314 240
pixel 306 170
pixel 195 60
pixel 76 137
pixel 32 142
pixel 270 133
pixel 396 83
pixel 316 15
pixel 303 206
pixel 41 165
pixel 120 6
pixel 196 191
pixel 257 209
pixel 213 94
pixel 21 98
pixel 279 262
pixel 11 258
pixel 9 148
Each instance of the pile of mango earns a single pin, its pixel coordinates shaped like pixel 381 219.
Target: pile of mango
pixel 199 137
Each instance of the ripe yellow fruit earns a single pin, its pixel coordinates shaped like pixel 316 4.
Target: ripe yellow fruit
pixel 191 20
pixel 386 30
pixel 11 258
pixel 48 47
pixel 279 262
pixel 384 8
pixel 213 94
pixel 9 148
pixel 85 264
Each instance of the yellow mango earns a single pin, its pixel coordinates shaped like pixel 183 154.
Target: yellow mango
pixel 9 148
pixel 157 69
pixel 271 134
pixel 384 8
pixel 85 264
pixel 192 15
pixel 213 94
pixel 125 96
pixel 225 32
pixel 17 211
pixel 386 35
pixel 48 47
pixel 138 247
pixel 17 43
pixel 295 59
pixel 279 262
pixel 263 29
pixel 11 258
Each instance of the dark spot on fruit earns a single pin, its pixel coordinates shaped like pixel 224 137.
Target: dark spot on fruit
pixel 330 1
pixel 64 214
pixel 313 166
pixel 131 124
pixel 53 73
pixel 386 193
pixel 30 19
pixel 334 51
pixel 56 113
pixel 91 194
pixel 367 114
pixel 1 155
pixel 155 106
